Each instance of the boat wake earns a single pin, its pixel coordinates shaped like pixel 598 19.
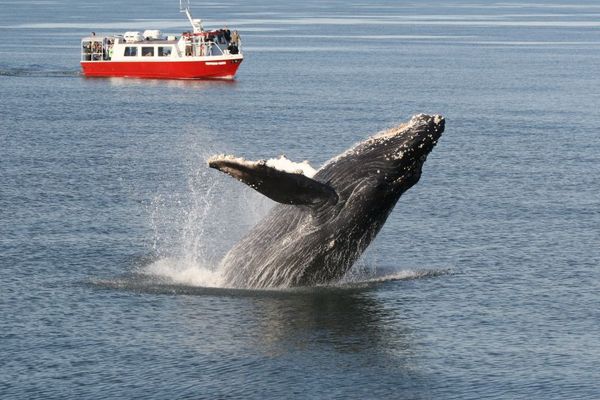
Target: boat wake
pixel 38 71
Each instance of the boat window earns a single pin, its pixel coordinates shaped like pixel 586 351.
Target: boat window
pixel 147 51
pixel 164 51
pixel 130 51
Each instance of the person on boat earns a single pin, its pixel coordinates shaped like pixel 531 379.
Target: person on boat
pixel 233 49
pixel 227 34
pixel 235 38
pixel 97 53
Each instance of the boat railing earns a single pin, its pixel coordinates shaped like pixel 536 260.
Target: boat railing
pixel 226 51
pixel 218 47
pixel 206 48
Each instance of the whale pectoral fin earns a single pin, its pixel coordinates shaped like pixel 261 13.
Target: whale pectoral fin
pixel 280 186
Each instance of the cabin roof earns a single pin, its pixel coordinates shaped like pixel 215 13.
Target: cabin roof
pixel 141 42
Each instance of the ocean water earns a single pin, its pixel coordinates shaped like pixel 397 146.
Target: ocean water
pixel 484 283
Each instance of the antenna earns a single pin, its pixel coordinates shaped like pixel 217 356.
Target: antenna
pixel 184 7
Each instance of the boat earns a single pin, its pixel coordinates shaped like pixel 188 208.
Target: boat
pixel 196 54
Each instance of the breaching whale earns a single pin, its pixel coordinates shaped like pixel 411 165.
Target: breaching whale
pixel 324 222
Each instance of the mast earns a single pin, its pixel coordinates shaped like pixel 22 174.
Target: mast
pixel 184 7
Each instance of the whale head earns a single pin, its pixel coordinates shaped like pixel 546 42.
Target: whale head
pixel 403 150
pixel 389 162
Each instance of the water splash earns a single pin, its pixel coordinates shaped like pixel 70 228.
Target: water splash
pixel 194 226
pixel 392 275
pixel 182 236
pixel 171 276
pixel 183 272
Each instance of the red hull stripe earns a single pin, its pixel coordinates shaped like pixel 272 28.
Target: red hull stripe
pixel 162 69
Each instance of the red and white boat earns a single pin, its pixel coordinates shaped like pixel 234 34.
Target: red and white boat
pixel 198 54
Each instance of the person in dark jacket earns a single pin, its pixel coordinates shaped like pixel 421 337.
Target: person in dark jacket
pixel 233 49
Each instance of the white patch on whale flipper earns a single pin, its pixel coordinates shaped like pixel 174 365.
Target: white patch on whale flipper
pixel 281 164
pixel 286 165
pixel 280 179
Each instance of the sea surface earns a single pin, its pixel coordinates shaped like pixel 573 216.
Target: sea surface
pixel 484 283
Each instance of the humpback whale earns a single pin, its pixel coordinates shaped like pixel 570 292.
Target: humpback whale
pixel 325 219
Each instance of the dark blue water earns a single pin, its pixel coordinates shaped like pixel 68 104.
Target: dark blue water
pixel 484 283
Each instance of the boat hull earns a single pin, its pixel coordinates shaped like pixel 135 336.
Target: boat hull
pixel 196 69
